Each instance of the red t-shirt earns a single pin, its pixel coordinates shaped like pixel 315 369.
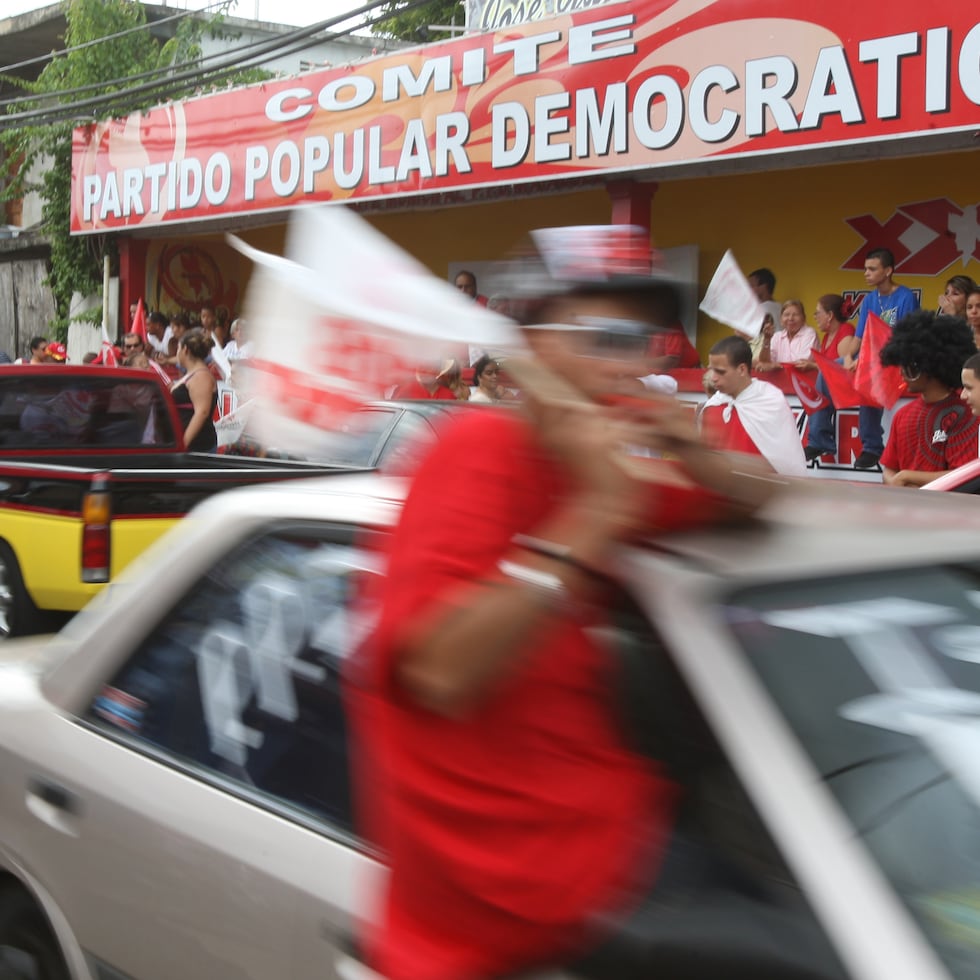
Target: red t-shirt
pixel 415 390
pixel 730 436
pixel 932 437
pixel 508 827
pixel 828 345
pixel 674 343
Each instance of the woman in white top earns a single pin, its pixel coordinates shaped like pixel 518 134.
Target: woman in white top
pixel 487 387
pixel 238 348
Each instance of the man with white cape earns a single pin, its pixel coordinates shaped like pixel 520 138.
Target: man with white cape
pixel 748 415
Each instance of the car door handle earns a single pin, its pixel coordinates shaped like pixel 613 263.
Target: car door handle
pixel 54 795
pixel 53 805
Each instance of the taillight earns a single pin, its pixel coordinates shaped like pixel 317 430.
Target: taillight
pixel 96 521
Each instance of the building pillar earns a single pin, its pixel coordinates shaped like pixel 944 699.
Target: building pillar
pixel 630 201
pixel 132 277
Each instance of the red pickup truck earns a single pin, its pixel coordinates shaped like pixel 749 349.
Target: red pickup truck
pixel 92 470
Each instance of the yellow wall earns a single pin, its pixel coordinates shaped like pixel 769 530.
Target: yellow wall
pixel 791 221
pixel 468 233
pixel 487 231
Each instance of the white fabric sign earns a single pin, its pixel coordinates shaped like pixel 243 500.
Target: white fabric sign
pixel 730 299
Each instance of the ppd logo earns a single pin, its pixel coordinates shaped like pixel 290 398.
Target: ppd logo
pixel 925 238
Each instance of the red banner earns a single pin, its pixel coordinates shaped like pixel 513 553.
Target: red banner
pixel 622 87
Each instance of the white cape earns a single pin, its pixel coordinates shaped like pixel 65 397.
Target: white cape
pixel 768 421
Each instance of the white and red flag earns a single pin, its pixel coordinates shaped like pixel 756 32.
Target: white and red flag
pixel 107 355
pixel 811 399
pixel 164 377
pixel 341 320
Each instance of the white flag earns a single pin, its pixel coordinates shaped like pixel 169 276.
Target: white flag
pixel 730 299
pixel 344 317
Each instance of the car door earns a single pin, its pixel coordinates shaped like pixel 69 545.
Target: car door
pixel 196 820
pixel 823 854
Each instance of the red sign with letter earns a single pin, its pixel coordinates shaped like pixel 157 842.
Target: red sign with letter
pixel 621 87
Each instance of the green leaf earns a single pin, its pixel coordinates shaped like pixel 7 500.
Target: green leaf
pixel 76 261
pixel 416 25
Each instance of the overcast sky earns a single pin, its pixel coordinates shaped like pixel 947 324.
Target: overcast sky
pixel 293 12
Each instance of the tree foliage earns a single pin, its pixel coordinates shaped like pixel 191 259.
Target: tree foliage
pixel 414 25
pixel 44 147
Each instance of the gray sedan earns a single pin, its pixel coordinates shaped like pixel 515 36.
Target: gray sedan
pixel 175 793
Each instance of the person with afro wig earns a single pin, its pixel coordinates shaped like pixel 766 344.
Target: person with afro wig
pixel 936 432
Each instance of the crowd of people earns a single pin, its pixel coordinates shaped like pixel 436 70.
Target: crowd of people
pixel 522 828
pixel 191 356
pixel 742 413
pixel 40 350
pixel 195 355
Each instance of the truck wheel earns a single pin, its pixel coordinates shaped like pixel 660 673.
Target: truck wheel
pixel 18 614
pixel 28 948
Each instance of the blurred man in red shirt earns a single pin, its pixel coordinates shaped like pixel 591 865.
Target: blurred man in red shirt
pixel 503 792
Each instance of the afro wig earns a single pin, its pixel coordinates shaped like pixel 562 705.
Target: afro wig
pixel 932 344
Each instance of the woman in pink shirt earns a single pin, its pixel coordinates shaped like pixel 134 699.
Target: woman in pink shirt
pixel 790 345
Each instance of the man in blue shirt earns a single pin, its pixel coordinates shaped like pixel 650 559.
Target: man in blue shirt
pixel 889 301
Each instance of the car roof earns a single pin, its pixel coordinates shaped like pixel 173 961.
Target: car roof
pixel 816 527
pixel 822 527
pixel 75 371
pixel 423 406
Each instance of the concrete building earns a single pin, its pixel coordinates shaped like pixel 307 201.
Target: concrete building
pixel 26 306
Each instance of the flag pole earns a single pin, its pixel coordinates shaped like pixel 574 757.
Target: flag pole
pixel 105 290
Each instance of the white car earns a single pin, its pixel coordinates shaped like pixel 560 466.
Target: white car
pixel 174 772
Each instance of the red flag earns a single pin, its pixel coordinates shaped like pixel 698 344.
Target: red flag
pixel 881 385
pixel 839 382
pixel 811 399
pixel 139 323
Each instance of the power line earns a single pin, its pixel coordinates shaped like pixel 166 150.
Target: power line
pixel 149 25
pixel 178 83
pixel 120 82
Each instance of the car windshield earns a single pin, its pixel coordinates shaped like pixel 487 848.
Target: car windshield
pixel 879 677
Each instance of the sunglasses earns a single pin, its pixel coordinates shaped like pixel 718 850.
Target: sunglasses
pixel 130 346
pixel 616 338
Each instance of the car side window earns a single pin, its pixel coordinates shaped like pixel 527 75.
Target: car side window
pixel 406 443
pixel 361 435
pixel 242 679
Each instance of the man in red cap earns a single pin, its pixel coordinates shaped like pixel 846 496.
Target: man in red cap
pixel 503 793
pixel 55 352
